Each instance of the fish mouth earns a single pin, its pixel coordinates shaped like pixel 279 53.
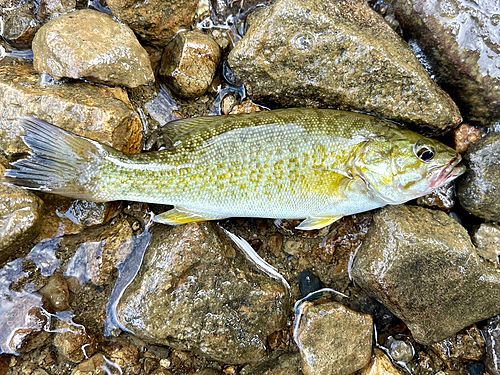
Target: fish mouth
pixel 449 173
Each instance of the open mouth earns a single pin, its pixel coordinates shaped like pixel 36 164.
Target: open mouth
pixel 449 173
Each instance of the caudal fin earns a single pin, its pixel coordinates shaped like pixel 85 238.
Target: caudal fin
pixel 59 162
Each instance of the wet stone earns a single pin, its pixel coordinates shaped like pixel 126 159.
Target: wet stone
pixel 464 136
pixel 48 9
pixel 91 45
pixel 399 350
pixel 74 342
pixel 443 198
pixel 19 23
pixel 380 364
pixel 465 346
pixel 285 364
pixel 31 335
pixel 422 265
pixel 195 292
pixel 97 112
pixel 55 294
pixel 155 21
pixel 308 283
pixel 486 237
pixel 189 62
pixel 491 333
pixel 337 54
pixel 461 41
pixel 478 190
pixel 98 364
pixel 333 339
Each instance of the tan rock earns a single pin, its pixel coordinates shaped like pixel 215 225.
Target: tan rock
pixel 380 364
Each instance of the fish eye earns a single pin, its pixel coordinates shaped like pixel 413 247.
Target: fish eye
pixel 424 153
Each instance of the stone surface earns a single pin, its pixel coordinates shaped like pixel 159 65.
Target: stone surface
pixel 155 21
pixel 98 364
pixel 338 54
pixel 30 335
pixel 189 62
pixel 285 364
pixel 477 189
pixel 380 364
pixel 91 45
pixel 491 333
pixel 56 294
pixel 443 198
pixel 333 339
pixel 486 237
pixel 48 9
pixel 465 135
pixel 73 342
pixel 92 111
pixel 460 39
pixel 19 22
pixel 466 346
pixel 422 265
pixel 195 292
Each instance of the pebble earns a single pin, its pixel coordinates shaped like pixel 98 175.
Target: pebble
pixel 91 45
pixel 49 9
pixel 465 346
pixel 19 23
pixel 464 136
pixel 55 294
pixel 491 334
pixel 189 62
pixel 308 283
pixel 285 364
pixel 74 342
pixel 443 198
pixel 486 237
pixel 337 54
pixel 399 350
pixel 422 265
pixel 333 339
pixel 380 364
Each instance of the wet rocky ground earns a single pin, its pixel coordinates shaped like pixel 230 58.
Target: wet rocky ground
pixel 94 288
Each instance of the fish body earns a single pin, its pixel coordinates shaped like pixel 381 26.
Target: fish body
pixel 315 164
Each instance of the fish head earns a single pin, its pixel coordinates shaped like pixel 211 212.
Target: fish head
pixel 398 169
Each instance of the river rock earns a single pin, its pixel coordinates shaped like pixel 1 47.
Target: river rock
pixel 91 45
pixel 55 294
pixel 491 333
pixel 285 364
pixel 422 265
pixel 478 190
pixel 189 62
pixel 465 346
pixel 48 9
pixel 195 292
pixel 380 364
pixel 333 340
pixel 486 237
pixel 101 113
pixel 460 39
pixel 19 23
pixel 74 342
pixel 155 21
pixel 338 54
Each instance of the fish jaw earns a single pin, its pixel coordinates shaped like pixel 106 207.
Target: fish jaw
pixel 449 173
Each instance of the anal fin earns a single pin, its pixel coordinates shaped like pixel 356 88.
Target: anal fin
pixel 180 215
pixel 317 222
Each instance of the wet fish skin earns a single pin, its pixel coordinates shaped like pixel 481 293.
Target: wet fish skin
pixel 290 164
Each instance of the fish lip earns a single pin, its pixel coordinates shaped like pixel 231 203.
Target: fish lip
pixel 450 172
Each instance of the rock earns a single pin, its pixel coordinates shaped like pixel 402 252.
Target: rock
pixel 461 41
pixel 465 135
pixel 48 9
pixel 399 350
pixel 422 265
pixel 486 237
pixel 30 335
pixel 338 54
pixel 246 106
pixel 20 213
pixel 308 283
pixel 380 364
pixel 189 62
pixel 19 23
pixel 285 364
pixel 333 339
pixel 92 111
pixel 73 342
pixel 195 292
pixel 98 364
pixel 155 21
pixel 443 198
pixel 467 346
pixel 56 294
pixel 491 333
pixel 91 45
pixel 478 190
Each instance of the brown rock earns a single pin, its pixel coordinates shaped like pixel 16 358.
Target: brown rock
pixel 155 21
pixel 380 364
pixel 98 364
pixel 19 22
pixel 486 237
pixel 48 9
pixel 29 335
pixel 465 346
pixel 74 342
pixel 189 62
pixel 56 293
pixel 96 112
pixel 92 45
pixel 465 135
pixel 443 198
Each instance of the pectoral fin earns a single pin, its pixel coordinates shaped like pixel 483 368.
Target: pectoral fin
pixel 180 215
pixel 317 222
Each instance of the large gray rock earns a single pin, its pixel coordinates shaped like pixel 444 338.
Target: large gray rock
pixel 460 39
pixel 422 265
pixel 479 189
pixel 338 54
pixel 195 292
pixel 98 112
pixel 92 45
pixel 333 340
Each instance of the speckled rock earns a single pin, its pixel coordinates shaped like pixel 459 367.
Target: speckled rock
pixel 96 112
pixel 195 292
pixel 92 45
pixel 155 21
pixel 443 198
pixel 465 346
pixel 337 54
pixel 48 9
pixel 333 339
pixel 478 190
pixel 55 294
pixel 422 265
pixel 98 364
pixel 486 237
pixel 491 333
pixel 285 364
pixel 189 62
pixel 380 364
pixel 28 336
pixel 400 350
pixel 73 342
pixel 19 22
pixel 460 39
pixel 465 135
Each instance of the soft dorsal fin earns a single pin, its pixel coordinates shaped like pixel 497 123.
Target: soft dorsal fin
pixel 178 130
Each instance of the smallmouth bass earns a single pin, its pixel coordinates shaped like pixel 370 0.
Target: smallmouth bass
pixel 312 164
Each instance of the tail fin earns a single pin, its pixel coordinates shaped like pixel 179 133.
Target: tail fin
pixel 59 161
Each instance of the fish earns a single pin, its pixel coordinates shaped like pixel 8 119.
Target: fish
pixel 317 165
